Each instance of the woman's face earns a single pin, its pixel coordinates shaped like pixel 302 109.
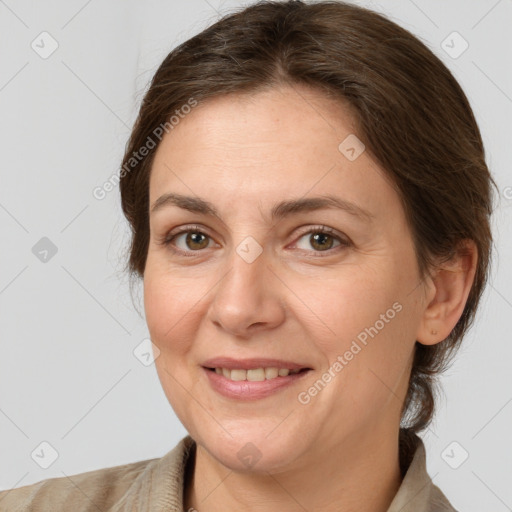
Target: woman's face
pixel 344 302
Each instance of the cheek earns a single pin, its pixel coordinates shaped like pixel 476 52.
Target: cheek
pixel 357 306
pixel 171 308
pixel 369 327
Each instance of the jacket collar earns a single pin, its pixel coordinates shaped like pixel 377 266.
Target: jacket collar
pixel 160 486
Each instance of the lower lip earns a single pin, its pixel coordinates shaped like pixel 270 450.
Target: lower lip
pixel 250 390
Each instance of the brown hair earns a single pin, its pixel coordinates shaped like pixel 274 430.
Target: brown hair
pixel 411 114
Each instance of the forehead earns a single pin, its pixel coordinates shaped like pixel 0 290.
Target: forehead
pixel 273 144
pixel 289 119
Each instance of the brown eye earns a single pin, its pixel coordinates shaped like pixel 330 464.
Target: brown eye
pixel 321 241
pixel 196 240
pixel 188 241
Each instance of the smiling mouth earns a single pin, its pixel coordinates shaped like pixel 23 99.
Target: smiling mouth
pixel 256 374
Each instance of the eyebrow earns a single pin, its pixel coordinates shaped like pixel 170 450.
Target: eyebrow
pixel 279 210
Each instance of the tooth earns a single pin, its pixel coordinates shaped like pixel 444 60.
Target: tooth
pixel 256 374
pixel 271 373
pixel 238 375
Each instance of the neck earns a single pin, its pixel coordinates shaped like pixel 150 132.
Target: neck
pixel 363 473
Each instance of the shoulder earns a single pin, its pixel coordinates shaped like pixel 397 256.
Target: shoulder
pixel 105 489
pixel 417 492
pixel 99 488
pixel 439 502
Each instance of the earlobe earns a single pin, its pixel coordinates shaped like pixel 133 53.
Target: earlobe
pixel 451 283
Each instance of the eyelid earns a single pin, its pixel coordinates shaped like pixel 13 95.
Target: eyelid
pixel 343 240
pixel 184 229
pixel 168 237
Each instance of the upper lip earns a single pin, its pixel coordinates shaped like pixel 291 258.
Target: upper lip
pixel 252 363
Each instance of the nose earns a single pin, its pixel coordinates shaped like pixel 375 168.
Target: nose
pixel 248 299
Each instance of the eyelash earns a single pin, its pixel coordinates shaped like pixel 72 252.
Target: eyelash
pixel 324 230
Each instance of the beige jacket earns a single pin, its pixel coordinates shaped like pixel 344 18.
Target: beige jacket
pixel 156 485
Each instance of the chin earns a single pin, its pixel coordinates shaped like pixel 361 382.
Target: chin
pixel 251 451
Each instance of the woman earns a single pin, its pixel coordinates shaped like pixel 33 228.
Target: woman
pixel 310 205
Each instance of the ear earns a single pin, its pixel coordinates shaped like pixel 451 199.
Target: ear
pixel 448 292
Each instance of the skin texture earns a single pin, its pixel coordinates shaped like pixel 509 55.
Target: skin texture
pixel 296 301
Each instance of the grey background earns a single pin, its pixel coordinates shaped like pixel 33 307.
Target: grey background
pixel 68 329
